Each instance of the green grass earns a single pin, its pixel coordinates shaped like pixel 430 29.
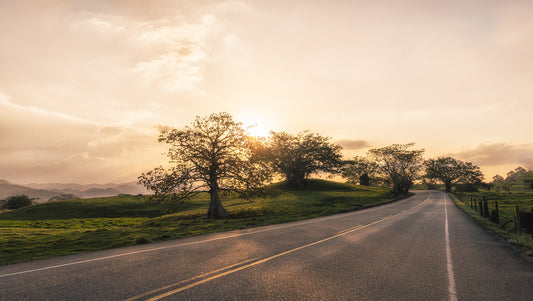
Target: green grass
pixel 506 205
pixel 77 226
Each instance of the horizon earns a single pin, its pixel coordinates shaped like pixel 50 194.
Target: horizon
pixel 85 87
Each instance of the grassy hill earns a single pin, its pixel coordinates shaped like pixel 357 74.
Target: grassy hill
pixel 76 226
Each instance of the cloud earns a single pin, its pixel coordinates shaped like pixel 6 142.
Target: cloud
pixel 181 53
pixel 100 25
pixel 353 144
pixel 499 154
pixel 6 103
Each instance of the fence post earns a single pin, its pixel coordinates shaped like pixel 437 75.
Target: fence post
pixel 485 208
pixel 518 226
pixel 497 217
pixel 481 207
pixel 475 205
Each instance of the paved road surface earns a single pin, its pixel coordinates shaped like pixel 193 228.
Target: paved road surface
pixel 421 248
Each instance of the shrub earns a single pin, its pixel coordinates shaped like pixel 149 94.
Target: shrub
pixel 17 201
pixel 64 197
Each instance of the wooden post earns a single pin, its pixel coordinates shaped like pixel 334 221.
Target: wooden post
pixel 494 215
pixel 518 226
pixel 485 208
pixel 481 207
pixel 475 205
pixel 497 217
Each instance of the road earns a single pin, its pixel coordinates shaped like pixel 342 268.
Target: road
pixel 420 248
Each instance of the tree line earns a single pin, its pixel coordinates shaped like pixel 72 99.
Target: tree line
pixel 217 154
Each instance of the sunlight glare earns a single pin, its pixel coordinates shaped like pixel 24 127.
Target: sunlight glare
pixel 256 125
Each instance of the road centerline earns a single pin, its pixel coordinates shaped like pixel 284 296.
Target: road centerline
pixel 178 245
pixel 242 267
pixel 449 264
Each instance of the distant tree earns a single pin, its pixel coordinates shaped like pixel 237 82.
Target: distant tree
pixel 500 184
pixel 359 170
pixel 213 154
pixel 398 165
pixel 17 201
pixel 63 197
pixel 451 172
pixel 296 157
pixel 516 176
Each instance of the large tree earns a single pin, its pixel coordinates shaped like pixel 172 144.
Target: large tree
pixel 398 165
pixel 451 172
pixel 213 154
pixel 296 157
pixel 359 170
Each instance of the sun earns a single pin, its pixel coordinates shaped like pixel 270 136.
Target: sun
pixel 256 125
pixel 258 130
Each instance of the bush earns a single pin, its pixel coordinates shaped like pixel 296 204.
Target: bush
pixel 64 197
pixel 466 188
pixel 17 201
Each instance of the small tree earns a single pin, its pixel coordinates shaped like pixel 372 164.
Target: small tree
pixel 398 165
pixel 516 176
pixel 296 157
pixel 64 197
pixel 500 184
pixel 17 201
pixel 451 172
pixel 359 170
pixel 213 154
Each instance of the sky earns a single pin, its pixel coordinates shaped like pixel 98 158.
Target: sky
pixel 85 86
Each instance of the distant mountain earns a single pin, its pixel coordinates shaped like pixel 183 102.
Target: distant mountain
pixel 45 191
pixel 8 189
pixel 126 188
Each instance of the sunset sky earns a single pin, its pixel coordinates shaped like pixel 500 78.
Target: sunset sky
pixel 85 85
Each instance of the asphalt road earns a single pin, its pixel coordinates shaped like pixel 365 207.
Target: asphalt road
pixel 421 248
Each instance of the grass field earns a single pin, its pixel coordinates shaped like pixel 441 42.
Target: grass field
pixel 506 205
pixel 77 226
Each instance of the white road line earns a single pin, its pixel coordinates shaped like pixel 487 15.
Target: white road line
pixel 451 279
pixel 197 242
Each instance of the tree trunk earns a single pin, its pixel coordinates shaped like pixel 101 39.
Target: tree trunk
pixel 295 179
pixel 448 186
pixel 215 206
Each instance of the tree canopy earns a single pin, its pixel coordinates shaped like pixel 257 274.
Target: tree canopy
pixel 451 172
pixel 17 201
pixel 296 157
pixel 213 154
pixel 359 170
pixel 398 165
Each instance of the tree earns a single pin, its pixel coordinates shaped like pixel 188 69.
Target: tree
pixel 63 197
pixel 500 184
pixel 359 170
pixel 399 166
pixel 17 201
pixel 451 172
pixel 516 176
pixel 213 154
pixel 296 157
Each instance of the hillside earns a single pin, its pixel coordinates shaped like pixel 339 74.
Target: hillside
pixel 75 226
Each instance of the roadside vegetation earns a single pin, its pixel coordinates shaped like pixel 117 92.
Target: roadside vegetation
pixel 77 226
pixel 514 190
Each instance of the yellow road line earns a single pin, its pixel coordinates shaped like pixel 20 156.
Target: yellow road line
pixel 242 267
pixel 188 280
